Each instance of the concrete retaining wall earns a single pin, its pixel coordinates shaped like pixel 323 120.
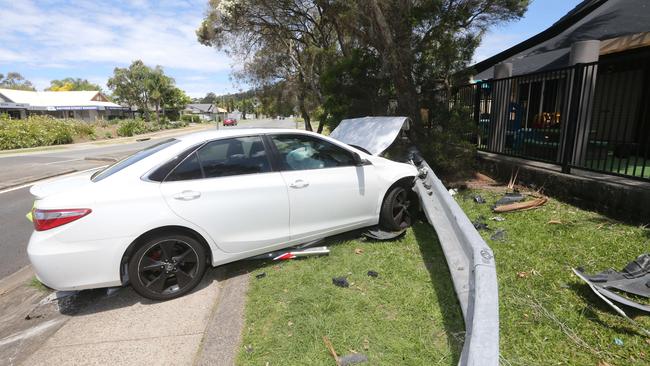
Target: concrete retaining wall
pixel 614 196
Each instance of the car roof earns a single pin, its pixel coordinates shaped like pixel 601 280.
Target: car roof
pixel 223 133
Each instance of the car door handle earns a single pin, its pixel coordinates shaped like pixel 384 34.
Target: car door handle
pixel 187 195
pixel 299 183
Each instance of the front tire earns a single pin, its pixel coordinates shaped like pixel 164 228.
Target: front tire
pixel 395 212
pixel 167 266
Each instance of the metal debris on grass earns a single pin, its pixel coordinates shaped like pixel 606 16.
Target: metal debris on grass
pixel 498 218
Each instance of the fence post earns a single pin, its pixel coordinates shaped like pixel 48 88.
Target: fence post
pixel 572 121
pixel 477 112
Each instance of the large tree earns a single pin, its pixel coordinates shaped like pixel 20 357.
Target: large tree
pixel 72 84
pixel 278 40
pixel 14 80
pixel 419 45
pixel 144 87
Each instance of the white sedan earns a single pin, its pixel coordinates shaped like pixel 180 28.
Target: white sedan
pixel 157 218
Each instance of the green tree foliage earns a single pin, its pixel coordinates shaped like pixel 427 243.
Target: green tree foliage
pixel 72 84
pixel 146 88
pixel 14 80
pixel 209 98
pixel 343 58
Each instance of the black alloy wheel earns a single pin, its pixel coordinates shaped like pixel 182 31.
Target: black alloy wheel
pixel 395 214
pixel 167 267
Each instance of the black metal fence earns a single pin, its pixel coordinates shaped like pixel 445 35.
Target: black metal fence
pixel 592 116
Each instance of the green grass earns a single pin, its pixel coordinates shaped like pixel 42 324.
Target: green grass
pixel 36 284
pixel 633 166
pixel 409 315
pixel 548 316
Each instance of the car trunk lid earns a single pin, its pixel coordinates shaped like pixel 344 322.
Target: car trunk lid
pixel 73 182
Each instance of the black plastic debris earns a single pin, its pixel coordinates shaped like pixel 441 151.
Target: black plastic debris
pixel 373 274
pixel 376 233
pixel 479 199
pixel 340 282
pixel 480 223
pixel 499 235
pixel 261 275
pixel 633 279
pixel 509 198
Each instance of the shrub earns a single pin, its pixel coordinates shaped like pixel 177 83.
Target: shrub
pixel 130 127
pixel 38 131
pixel 190 118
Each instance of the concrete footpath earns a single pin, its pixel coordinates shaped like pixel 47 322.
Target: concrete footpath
pixel 122 328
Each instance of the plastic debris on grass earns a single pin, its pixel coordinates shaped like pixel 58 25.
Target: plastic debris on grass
pixel 340 282
pixel 633 279
pixel 351 359
pixel 479 199
pixel 499 235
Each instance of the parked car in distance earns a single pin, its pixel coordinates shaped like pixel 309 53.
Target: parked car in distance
pixel 159 217
pixel 230 122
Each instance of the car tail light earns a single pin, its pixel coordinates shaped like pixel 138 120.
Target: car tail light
pixel 49 219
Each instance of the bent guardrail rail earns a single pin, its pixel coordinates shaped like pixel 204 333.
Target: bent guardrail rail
pixel 472 267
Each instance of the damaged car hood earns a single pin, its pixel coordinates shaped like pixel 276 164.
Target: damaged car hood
pixel 374 134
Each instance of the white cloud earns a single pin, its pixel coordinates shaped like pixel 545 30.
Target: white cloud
pixel 85 32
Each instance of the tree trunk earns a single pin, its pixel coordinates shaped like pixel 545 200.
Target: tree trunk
pixel 303 111
pixel 398 59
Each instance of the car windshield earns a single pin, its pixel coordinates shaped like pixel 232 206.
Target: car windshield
pixel 112 169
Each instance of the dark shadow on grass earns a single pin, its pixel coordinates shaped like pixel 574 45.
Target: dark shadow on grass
pixel 436 264
pixel 592 301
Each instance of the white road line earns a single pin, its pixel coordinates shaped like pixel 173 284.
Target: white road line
pixel 49 179
pixel 62 161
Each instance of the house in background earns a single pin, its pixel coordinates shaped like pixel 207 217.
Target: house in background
pixel 84 105
pixel 576 95
pixel 207 112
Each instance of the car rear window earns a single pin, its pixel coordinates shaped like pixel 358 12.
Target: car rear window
pixel 122 164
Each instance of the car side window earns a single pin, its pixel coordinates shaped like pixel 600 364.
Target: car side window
pixel 188 169
pixel 301 152
pixel 235 156
pixel 222 158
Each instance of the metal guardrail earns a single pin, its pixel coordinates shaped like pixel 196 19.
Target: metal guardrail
pixel 472 267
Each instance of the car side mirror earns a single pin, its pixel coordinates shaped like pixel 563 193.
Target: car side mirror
pixel 358 161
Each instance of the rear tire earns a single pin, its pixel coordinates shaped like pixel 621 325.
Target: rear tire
pixel 395 212
pixel 167 266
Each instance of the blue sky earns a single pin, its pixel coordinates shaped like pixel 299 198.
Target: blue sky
pixel 54 39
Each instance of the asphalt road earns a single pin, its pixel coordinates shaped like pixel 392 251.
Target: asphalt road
pixel 15 229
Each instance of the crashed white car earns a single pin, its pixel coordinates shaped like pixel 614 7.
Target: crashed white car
pixel 157 218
